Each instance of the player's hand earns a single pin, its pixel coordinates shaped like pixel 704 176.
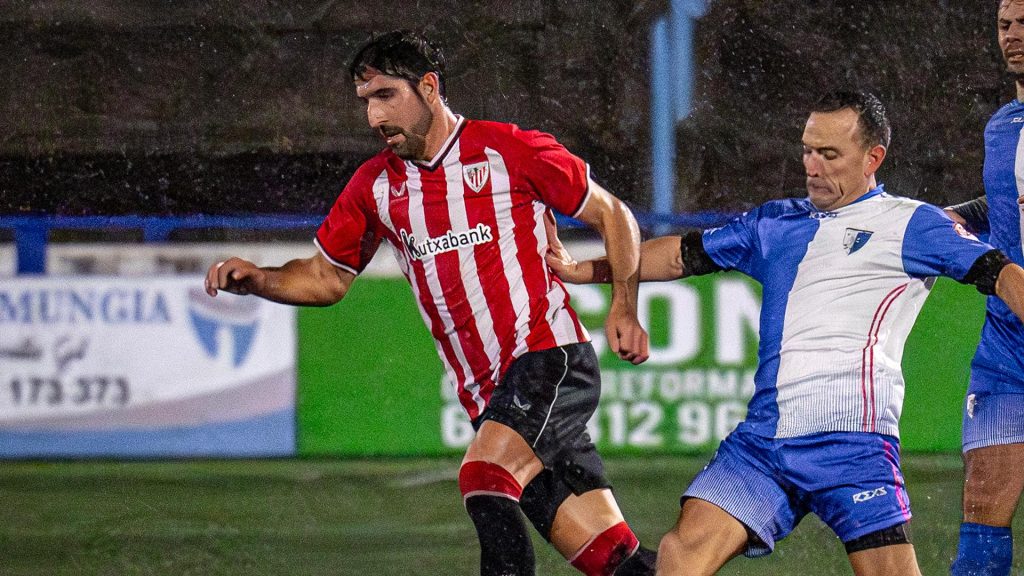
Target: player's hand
pixel 558 258
pixel 626 336
pixel 236 276
pixel 566 267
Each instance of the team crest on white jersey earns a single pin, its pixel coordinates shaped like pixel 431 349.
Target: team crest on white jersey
pixel 855 239
pixel 398 191
pixel 476 175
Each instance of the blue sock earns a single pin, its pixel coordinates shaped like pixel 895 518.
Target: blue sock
pixel 983 551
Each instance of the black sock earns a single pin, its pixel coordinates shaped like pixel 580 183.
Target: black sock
pixel 641 563
pixel 505 547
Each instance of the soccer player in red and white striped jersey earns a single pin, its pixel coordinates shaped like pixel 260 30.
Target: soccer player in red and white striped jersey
pixel 464 205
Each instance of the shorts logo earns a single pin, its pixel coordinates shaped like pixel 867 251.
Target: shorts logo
pixel 855 239
pixel 476 175
pixel 868 495
pixel 524 406
pixel 972 400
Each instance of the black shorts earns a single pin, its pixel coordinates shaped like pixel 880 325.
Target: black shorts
pixel 547 397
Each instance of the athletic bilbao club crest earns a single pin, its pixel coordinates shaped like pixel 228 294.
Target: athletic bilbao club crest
pixel 398 191
pixel 476 175
pixel 855 239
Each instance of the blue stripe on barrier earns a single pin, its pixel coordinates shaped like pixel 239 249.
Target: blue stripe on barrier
pixel 265 436
pixel 31 232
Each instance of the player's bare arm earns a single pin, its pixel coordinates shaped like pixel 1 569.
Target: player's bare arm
pixel 609 216
pixel 302 282
pixel 1010 288
pixel 660 259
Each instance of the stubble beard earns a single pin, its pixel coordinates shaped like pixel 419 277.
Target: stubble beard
pixel 415 144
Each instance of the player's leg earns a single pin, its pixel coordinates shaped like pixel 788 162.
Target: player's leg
pixel 498 463
pixel 993 481
pixel 884 552
pixel 591 533
pixel 570 502
pixel 855 484
pixel 736 505
pixel 704 538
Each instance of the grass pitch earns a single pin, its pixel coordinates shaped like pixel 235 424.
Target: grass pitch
pixel 360 517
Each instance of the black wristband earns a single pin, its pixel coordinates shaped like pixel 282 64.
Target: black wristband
pixel 985 271
pixel 696 261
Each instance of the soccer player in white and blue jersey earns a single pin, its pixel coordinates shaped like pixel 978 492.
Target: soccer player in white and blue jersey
pixel 993 421
pixel 845 273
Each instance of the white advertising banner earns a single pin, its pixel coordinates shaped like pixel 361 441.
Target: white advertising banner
pixel 143 367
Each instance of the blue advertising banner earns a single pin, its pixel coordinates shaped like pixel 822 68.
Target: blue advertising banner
pixel 112 367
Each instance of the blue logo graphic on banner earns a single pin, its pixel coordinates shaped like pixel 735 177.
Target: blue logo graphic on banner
pixel 212 318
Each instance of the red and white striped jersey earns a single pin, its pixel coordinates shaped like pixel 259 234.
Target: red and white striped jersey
pixel 468 232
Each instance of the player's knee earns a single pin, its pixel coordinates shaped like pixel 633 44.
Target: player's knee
pixel 606 551
pixel 671 552
pixel 479 478
pixel 890 536
pixel 541 499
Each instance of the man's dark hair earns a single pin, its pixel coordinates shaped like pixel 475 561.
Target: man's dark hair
pixel 873 122
pixel 402 53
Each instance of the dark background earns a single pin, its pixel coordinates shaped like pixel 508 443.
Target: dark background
pixel 232 107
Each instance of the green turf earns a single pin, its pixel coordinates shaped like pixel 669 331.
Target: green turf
pixel 400 517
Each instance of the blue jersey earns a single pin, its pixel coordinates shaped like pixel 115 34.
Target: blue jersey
pixel 998 365
pixel 842 290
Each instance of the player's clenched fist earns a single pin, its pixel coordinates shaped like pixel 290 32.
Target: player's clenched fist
pixel 626 337
pixel 236 276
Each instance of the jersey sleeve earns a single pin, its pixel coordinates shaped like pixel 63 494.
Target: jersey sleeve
pixel 349 236
pixel 934 245
pixel 734 245
pixel 559 177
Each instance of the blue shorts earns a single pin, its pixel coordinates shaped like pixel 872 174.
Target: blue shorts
pixel 851 480
pixel 992 419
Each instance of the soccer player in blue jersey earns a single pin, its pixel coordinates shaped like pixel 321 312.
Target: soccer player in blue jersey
pixel 845 272
pixel 993 420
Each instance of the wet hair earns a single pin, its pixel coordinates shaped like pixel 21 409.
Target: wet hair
pixel 871 117
pixel 401 53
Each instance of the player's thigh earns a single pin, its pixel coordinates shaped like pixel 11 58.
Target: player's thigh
pixel 582 517
pixel 704 538
pixel 885 561
pixel 853 481
pixel 742 479
pixel 497 443
pixel 537 415
pixel 994 480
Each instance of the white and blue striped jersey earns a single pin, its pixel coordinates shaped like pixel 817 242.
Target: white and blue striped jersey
pixel 841 291
pixel 998 364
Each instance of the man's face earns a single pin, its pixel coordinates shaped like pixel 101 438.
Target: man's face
pixel 397 112
pixel 1011 35
pixel 835 159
